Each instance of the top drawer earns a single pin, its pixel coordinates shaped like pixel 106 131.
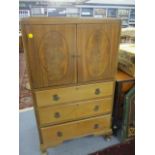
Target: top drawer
pixel 75 93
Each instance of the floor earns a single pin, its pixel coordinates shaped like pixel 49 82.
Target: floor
pixel 29 140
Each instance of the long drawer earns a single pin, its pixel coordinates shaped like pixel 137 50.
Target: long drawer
pixel 75 93
pixel 59 133
pixel 74 111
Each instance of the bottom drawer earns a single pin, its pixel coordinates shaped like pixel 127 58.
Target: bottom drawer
pixel 59 133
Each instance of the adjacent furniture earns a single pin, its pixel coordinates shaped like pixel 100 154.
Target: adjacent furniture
pixel 128 126
pixel 126 59
pixel 124 104
pixel 72 64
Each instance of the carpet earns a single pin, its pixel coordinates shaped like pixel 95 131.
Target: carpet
pixel 29 140
pixel 25 96
pixel 125 148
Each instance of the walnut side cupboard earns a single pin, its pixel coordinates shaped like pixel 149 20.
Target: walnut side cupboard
pixel 72 64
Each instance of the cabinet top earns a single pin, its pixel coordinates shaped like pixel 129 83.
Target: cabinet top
pixel 66 20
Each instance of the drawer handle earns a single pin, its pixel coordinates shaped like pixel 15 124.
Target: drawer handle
pixel 57 115
pixel 96 108
pixel 56 97
pixel 96 126
pixel 97 91
pixel 59 134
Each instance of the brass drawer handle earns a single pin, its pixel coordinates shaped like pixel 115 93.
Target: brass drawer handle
pixel 59 134
pixel 57 115
pixel 97 91
pixel 56 97
pixel 96 126
pixel 96 108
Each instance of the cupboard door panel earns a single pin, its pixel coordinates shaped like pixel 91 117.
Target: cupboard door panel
pixel 97 49
pixel 50 50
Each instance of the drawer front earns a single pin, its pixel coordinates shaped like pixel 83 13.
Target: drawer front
pixel 68 131
pixel 67 112
pixel 75 93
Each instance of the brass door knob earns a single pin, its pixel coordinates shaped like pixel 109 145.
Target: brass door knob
pixel 57 115
pixel 59 134
pixel 56 97
pixel 97 91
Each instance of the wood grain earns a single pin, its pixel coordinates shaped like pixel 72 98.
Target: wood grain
pixel 97 47
pixel 72 64
pixel 122 76
pixel 74 111
pixel 50 54
pixel 75 93
pixel 60 133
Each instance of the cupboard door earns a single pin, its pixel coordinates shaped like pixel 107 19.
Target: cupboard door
pixel 97 46
pixel 50 50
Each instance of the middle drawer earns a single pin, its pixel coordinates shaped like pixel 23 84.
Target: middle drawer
pixel 71 94
pixel 74 111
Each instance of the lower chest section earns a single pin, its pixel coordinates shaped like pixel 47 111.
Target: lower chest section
pixel 70 112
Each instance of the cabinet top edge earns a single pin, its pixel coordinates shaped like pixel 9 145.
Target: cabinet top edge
pixel 66 20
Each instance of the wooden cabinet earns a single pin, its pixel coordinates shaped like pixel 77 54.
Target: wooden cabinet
pixel 72 64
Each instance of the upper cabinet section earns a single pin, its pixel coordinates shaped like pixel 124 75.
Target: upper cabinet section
pixel 97 46
pixel 50 50
pixel 63 51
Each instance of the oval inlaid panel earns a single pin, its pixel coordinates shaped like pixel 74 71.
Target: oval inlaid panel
pixel 97 55
pixel 54 55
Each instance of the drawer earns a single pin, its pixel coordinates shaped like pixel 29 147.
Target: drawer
pixel 67 112
pixel 75 93
pixel 57 133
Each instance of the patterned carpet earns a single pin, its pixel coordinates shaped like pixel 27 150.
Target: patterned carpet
pixel 124 148
pixel 25 97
